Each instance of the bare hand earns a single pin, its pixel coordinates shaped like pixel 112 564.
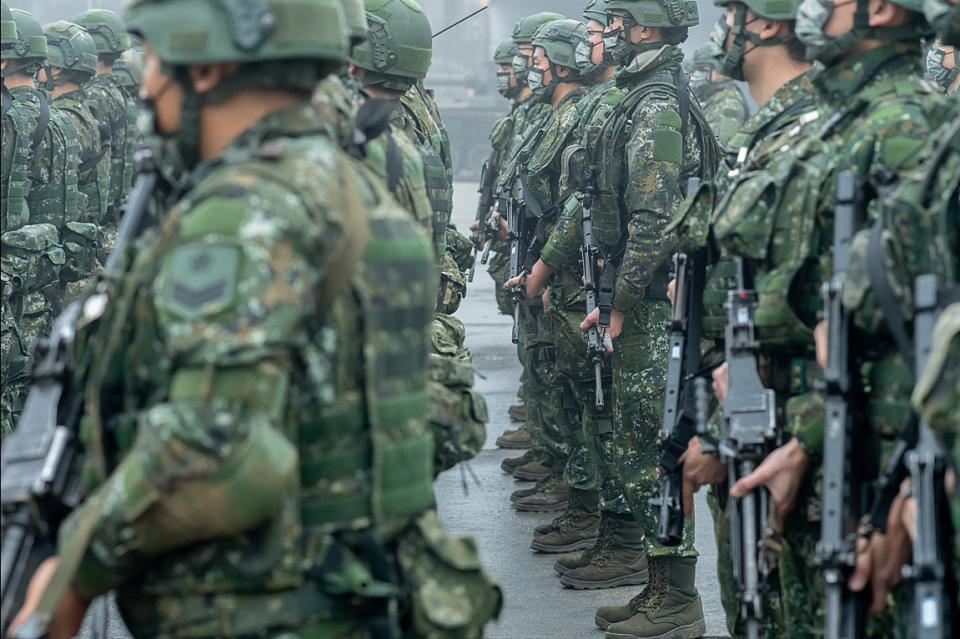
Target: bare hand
pixel 782 474
pixel 545 300
pixel 699 469
pixel 820 340
pixel 504 234
pixel 721 381
pixel 612 332
pixel 672 289
pixel 70 612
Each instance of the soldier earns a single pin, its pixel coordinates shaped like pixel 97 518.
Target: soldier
pixel 458 414
pixel 72 61
pixel 778 77
pixel 721 100
pixel 280 485
pixel 40 197
pixel 943 67
pixel 111 105
pixel 655 140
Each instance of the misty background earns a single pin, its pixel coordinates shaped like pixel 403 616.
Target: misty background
pixel 463 75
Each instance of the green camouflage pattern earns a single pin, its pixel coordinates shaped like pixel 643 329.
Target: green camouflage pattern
pixel 725 107
pixel 246 369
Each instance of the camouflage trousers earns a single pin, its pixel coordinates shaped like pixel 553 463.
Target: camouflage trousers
pixel 20 331
pixel 538 356
pixel 639 370
pixel 582 417
pixel 499 269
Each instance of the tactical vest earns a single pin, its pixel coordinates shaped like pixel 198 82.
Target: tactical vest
pixel 114 105
pixel 55 200
pixel 365 456
pixel 611 139
pixel 16 181
pixel 94 168
pixel 429 141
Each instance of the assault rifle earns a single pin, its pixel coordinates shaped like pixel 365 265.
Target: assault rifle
pixel 515 217
pixel 589 252
pixel 843 497
pixel 493 229
pixel 484 204
pixel 931 570
pixel 679 402
pixel 40 461
pixel 749 433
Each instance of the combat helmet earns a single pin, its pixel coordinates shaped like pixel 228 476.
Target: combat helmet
pixel 559 40
pixel 813 15
pixel 705 60
pixel 663 14
pixel 355 16
pixel 399 45
pixel 8 29
pixel 505 52
pixel 729 62
pixel 945 20
pixel 71 48
pixel 595 10
pixel 523 32
pixel 107 29
pixel 29 47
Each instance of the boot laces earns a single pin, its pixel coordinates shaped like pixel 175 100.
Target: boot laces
pixel 658 587
pixel 603 548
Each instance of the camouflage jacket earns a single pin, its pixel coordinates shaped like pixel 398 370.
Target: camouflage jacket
pixel 261 386
pixel 725 107
pixel 109 103
pixel 528 117
pixel 643 162
pixel 501 136
pixel 94 170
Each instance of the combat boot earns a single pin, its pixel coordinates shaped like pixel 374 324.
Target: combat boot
pixel 622 561
pixel 606 616
pixel 565 564
pixel 515 439
pixel 532 471
pixel 550 495
pixel 510 464
pixel 518 412
pixel 672 608
pixel 575 529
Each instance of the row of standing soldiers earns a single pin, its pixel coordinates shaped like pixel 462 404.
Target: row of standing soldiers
pixel 648 249
pixel 70 112
pixel 267 375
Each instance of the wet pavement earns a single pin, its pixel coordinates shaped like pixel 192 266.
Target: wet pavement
pixel 475 500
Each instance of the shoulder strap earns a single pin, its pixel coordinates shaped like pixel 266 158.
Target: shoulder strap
pixel 7 100
pixel 394 163
pixel 43 120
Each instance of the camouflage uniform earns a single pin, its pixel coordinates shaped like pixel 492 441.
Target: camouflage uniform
pixel 724 105
pixel 299 453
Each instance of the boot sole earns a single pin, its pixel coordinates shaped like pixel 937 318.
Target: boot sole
pixel 525 476
pixel 635 579
pixel 583 544
pixel 513 445
pixel 540 508
pixel 690 631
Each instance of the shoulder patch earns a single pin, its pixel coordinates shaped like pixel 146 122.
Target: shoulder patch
pixel 201 279
pixel 667 140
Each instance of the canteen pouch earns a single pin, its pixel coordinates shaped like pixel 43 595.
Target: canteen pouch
pixel 80 241
pixel 33 252
pixel 446 589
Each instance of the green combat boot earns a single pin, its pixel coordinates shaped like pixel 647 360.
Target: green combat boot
pixel 515 439
pixel 518 412
pixel 566 564
pixel 550 495
pixel 671 609
pixel 609 615
pixel 510 464
pixel 575 529
pixel 532 471
pixel 622 561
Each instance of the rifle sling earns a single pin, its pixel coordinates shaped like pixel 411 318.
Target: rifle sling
pixel 884 294
pixel 43 120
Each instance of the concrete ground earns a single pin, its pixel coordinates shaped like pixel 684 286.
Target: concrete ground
pixel 475 501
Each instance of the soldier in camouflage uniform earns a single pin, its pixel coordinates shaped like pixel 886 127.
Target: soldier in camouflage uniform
pixel 721 100
pixel 72 61
pixel 39 193
pixel 778 78
pixel 654 141
pixel 458 414
pixel 943 67
pixel 265 461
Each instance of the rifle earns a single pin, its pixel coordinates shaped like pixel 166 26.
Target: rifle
pixel 680 403
pixel 927 463
pixel 493 229
pixel 515 216
pixel 842 490
pixel 589 252
pixel 483 212
pixel 749 434
pixel 41 460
